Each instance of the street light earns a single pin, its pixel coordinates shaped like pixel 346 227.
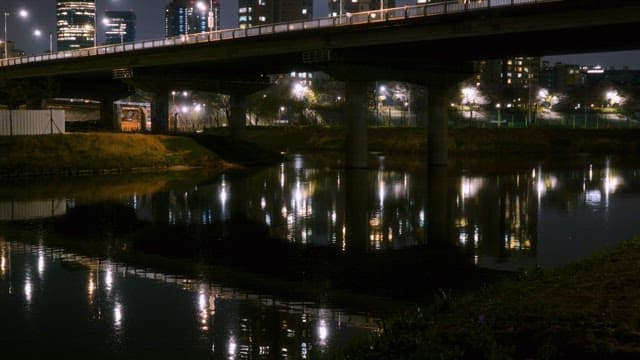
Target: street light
pixel 202 6
pixel 38 33
pixel 21 13
pixel 469 96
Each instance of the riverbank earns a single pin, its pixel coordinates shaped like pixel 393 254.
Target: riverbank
pixel 465 141
pixel 585 310
pixel 103 153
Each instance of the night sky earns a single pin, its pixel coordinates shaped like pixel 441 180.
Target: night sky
pixel 150 25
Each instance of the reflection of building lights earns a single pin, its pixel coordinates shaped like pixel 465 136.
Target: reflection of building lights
pixel 108 277
pixel 91 287
pixel 263 203
pixel 117 316
pixel 303 350
pixel 40 263
pixel 232 347
pixel 469 187
pixel 323 332
pixel 28 288
pixel 223 193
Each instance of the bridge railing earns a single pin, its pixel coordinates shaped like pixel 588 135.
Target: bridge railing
pixel 382 15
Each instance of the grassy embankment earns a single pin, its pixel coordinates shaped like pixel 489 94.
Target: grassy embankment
pixel 99 153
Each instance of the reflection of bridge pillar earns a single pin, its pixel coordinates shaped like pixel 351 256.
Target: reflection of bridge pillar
pixel 437 128
pixel 356 209
pixel 238 116
pixel 437 207
pixel 356 102
pixel 160 112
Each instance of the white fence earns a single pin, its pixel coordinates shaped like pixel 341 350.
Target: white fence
pixel 31 122
pixel 25 210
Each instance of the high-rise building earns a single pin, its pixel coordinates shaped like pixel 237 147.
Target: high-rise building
pixel 354 6
pixel 260 12
pixel 120 27
pixel 191 16
pixel 76 24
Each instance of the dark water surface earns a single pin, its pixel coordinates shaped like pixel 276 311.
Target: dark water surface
pixel 290 261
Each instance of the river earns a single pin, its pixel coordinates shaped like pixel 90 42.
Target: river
pixel 287 261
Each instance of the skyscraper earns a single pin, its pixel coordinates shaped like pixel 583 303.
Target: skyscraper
pixel 260 12
pixel 354 6
pixel 76 24
pixel 191 16
pixel 120 27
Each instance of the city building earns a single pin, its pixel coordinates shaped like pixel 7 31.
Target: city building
pixel 260 12
pixel 191 16
pixel 120 27
pixel 354 6
pixel 11 50
pixel 559 77
pixel 76 24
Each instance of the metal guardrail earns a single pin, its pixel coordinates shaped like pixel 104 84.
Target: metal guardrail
pixel 374 16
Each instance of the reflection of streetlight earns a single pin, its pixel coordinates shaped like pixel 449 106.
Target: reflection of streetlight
pixel 21 13
pixel 499 106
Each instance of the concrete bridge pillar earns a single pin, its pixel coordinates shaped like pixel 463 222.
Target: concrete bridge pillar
pixel 238 116
pixel 356 108
pixel 437 127
pixel 160 112
pixel 107 115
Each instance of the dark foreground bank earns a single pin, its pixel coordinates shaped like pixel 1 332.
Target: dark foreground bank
pixel 587 310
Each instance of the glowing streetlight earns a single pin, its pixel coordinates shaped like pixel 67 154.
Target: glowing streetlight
pixel 470 96
pixel 202 6
pixel 21 13
pixel 614 98
pixel 38 33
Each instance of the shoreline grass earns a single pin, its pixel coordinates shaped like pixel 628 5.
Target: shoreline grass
pixel 102 153
pixel 585 310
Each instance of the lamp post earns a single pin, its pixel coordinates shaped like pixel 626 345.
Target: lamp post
pixel 23 14
pixel 37 33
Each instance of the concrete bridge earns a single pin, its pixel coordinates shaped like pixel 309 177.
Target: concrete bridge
pixel 432 45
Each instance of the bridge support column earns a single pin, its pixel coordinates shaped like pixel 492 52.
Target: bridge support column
pixel 160 112
pixel 356 108
pixel 238 116
pixel 437 127
pixel 107 115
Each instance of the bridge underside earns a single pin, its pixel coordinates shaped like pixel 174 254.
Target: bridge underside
pixel 435 51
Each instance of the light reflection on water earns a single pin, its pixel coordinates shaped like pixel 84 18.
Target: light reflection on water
pixel 523 219
pixel 506 221
pixel 138 307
